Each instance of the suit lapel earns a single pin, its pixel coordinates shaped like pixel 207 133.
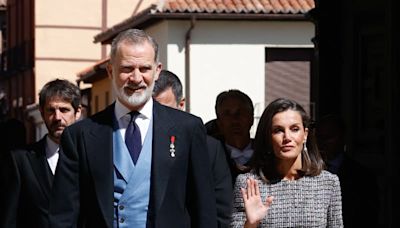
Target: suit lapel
pixel 37 158
pixel 100 158
pixel 161 160
pixel 99 143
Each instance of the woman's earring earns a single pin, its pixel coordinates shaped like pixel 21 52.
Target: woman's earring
pixel 305 148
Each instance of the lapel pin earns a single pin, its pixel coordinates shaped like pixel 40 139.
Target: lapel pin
pixel 172 146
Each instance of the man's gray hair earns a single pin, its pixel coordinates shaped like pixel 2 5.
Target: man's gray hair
pixel 132 36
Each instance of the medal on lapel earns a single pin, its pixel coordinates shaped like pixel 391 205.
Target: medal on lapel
pixel 172 146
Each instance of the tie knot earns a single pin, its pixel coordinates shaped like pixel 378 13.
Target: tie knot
pixel 133 115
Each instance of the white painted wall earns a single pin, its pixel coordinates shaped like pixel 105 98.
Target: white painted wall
pixel 226 55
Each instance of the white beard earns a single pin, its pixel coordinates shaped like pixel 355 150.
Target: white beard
pixel 136 99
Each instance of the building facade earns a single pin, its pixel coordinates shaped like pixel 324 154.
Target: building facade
pixel 217 49
pixel 43 40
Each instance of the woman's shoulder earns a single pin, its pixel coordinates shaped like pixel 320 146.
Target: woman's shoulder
pixel 241 178
pixel 328 177
pixel 250 174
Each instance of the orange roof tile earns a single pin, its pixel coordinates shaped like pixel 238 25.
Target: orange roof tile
pixel 212 9
pixel 238 6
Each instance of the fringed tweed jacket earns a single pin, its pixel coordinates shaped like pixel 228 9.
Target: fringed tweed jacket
pixel 306 202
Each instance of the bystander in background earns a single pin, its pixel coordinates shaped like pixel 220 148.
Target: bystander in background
pixel 27 174
pixel 168 91
pixel 235 116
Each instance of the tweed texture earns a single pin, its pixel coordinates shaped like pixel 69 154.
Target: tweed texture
pixel 306 202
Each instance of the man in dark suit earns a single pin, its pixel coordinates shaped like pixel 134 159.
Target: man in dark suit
pixel 235 116
pixel 168 91
pixel 27 174
pixel 162 180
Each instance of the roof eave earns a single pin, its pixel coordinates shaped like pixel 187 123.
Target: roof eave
pixel 92 77
pixel 150 18
pixel 93 73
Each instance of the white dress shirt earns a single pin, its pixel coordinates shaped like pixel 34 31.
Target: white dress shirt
pixel 241 157
pixel 52 154
pixel 142 120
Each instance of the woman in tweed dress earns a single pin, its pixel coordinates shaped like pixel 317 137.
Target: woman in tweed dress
pixel 287 186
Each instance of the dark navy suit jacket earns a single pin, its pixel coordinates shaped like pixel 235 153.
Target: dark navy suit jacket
pixel 181 187
pixel 26 184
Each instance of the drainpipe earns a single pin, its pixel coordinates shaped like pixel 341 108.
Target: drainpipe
pixel 188 40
